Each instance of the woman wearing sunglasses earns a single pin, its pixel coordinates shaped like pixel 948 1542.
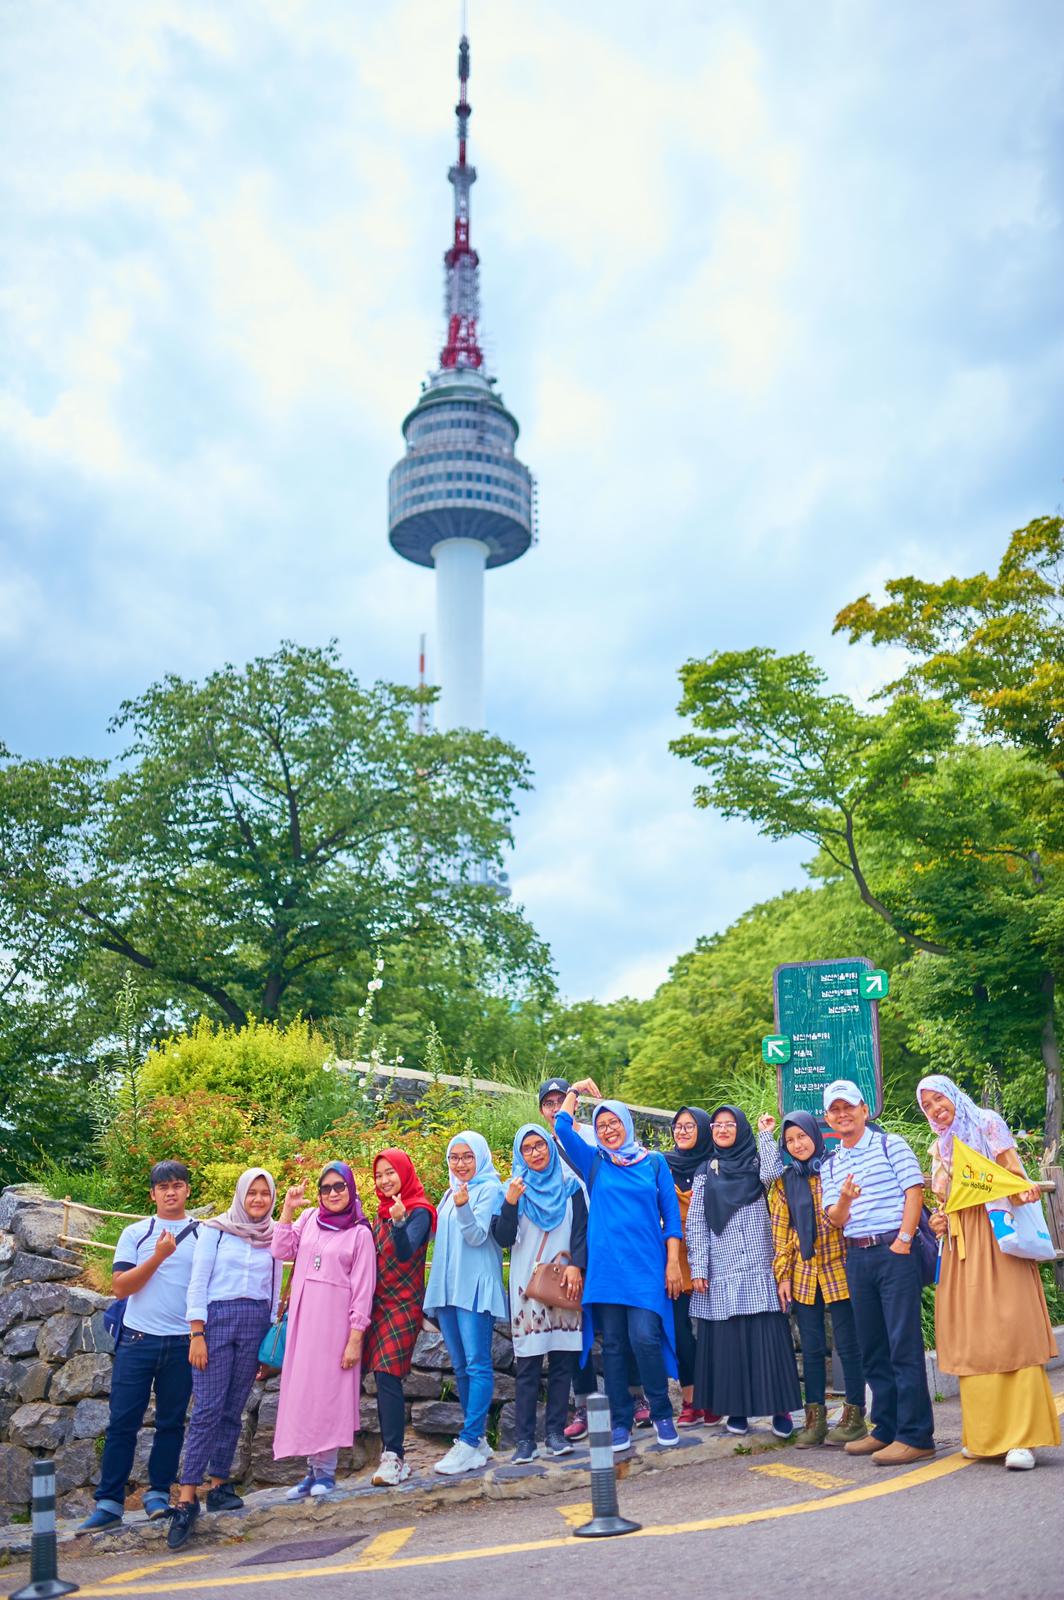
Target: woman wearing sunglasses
pixel 329 1309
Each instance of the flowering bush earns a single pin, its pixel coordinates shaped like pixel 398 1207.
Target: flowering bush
pixel 266 1064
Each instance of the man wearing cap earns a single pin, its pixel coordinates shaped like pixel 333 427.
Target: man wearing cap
pixel 874 1191
pixel 552 1095
pixel 151 1271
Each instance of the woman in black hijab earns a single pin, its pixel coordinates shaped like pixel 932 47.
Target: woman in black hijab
pixel 810 1267
pixel 744 1364
pixel 692 1144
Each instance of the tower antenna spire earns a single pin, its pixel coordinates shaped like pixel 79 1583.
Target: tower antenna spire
pixel 461 294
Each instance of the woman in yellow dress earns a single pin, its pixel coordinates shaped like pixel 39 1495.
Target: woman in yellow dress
pixel 992 1326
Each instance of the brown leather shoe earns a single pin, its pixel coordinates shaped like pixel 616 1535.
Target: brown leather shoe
pixel 868 1446
pixel 901 1455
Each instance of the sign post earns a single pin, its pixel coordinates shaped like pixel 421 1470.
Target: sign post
pixel 827 1013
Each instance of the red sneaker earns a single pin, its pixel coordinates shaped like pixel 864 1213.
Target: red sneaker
pixel 577 1429
pixel 641 1418
pixel 689 1417
pixel 710 1417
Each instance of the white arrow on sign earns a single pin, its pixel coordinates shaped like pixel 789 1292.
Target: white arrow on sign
pixel 874 983
pixel 777 1050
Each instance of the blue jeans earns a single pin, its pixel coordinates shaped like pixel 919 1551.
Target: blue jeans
pixel 885 1294
pixel 624 1326
pixel 143 1361
pixel 813 1334
pixel 467 1335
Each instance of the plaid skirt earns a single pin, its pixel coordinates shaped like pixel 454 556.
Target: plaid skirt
pixel 396 1318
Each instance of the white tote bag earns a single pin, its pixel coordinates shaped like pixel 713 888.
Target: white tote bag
pixel 1022 1231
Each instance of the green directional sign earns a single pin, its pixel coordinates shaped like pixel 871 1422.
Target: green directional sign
pixel 874 985
pixel 776 1049
pixel 823 1012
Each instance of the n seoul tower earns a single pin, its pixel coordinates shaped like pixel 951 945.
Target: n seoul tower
pixel 460 500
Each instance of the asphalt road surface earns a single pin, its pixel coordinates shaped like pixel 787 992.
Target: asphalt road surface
pixel 819 1522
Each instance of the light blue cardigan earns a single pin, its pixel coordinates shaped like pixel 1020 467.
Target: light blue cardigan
pixel 466 1261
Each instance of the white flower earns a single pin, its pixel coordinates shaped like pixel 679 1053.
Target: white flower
pixel 362 1011
pixel 326 1066
pixel 380 964
pixel 399 1060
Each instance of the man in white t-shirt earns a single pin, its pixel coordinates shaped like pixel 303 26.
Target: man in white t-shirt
pixel 151 1271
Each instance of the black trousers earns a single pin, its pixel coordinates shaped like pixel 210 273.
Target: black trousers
pixel 391 1409
pixel 561 1371
pixel 885 1294
pixel 685 1339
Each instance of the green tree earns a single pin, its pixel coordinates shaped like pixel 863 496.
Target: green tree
pixel 261 835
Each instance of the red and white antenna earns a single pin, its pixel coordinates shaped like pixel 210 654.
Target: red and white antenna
pixel 461 295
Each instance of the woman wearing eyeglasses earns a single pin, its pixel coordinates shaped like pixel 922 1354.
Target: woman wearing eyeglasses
pixel 692 1138
pixel 744 1365
pixel 465 1292
pixel 329 1308
pixel 543 1216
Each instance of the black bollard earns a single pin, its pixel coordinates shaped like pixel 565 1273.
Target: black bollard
pixel 44 1576
pixel 605 1517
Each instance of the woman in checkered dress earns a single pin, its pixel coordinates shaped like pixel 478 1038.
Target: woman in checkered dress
pixel 406 1219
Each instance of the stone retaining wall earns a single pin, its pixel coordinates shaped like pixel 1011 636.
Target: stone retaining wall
pixel 55 1374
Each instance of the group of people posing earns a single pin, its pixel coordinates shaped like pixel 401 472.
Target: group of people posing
pixel 685 1263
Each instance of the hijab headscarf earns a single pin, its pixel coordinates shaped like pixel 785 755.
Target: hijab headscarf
pixel 411 1190
pixel 353 1215
pixel 631 1151
pixel 546 1193
pixel 796 1185
pixel 983 1130
pixel 683 1164
pixel 236 1220
pixel 485 1169
pixel 733 1173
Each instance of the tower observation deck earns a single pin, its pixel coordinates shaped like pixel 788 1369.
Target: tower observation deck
pixel 459 500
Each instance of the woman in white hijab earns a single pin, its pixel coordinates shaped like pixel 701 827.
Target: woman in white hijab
pixel 992 1327
pixel 232 1299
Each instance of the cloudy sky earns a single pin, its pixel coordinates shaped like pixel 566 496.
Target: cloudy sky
pixel 775 289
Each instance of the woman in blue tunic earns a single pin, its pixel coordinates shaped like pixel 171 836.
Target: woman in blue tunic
pixel 633 1270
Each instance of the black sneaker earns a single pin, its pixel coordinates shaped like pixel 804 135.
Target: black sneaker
pixel 525 1451
pixel 224 1498
pixel 182 1523
pixel 558 1445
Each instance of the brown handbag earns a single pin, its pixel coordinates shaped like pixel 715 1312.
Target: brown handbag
pixel 546 1285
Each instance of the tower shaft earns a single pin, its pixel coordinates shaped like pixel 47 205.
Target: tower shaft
pixel 460 632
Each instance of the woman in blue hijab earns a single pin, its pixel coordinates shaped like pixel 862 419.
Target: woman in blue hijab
pixel 543 1221
pixel 633 1271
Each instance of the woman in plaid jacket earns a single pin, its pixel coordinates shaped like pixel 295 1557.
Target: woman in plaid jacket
pixel 406 1220
pixel 809 1263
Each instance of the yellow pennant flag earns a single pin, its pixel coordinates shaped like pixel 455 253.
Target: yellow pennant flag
pixel 977 1180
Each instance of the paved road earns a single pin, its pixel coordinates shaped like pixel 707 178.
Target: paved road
pixel 825 1524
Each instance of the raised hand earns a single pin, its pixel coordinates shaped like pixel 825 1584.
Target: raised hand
pixel 294 1198
pixel 165 1245
pixel 515 1189
pixel 766 1122
pixel 850 1189
pixel 461 1195
pixel 399 1211
pixel 586 1086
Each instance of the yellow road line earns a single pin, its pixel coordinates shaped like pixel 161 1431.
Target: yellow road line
pixel 806 1475
pixel 156 1566
pixel 576 1515
pixel 380 1549
pixel 918 1478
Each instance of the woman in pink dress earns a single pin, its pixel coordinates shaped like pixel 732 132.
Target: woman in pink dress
pixel 329 1308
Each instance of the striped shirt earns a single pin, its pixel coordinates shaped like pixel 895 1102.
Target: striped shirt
pixel 826 1268
pixel 884 1167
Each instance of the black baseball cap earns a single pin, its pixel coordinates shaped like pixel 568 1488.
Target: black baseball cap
pixel 553 1086
pixel 169 1172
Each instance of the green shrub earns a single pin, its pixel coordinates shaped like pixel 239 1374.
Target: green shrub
pixel 275 1066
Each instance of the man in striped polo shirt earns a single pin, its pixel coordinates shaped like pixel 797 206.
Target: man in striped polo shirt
pixel 874 1191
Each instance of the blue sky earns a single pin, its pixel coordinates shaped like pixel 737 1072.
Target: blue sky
pixel 774 289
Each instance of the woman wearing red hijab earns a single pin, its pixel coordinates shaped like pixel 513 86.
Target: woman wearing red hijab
pixel 405 1221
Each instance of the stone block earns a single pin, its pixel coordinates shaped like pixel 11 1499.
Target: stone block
pixel 22 1340
pixel 369 1383
pixel 506 1424
pixel 350 1461
pixel 16 1470
pixel 10 1376
pixel 368 1415
pixel 8 1246
pixel 422 1385
pixel 40 1426
pixel 78 1503
pixel 60 1337
pixel 83 1377
pixel 95 1337
pixel 139 1470
pixel 437 1416
pixel 430 1352
pixel 242 1457
pixel 29 1302
pixel 85 1302
pixel 91 1418
pixel 505 1387
pixel 37 1228
pixel 19 1194
pixel 502 1352
pixel 76 1465
pixel 34 1380
pixel 27 1268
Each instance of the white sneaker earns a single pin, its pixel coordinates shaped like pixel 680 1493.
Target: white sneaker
pixel 391 1471
pixel 461 1457
pixel 1020 1460
pixel 485 1449
pixel 968 1454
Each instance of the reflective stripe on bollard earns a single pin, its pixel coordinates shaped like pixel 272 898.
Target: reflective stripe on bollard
pixel 44 1576
pixel 605 1518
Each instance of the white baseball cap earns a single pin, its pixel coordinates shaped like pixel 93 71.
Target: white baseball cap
pixel 842 1089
